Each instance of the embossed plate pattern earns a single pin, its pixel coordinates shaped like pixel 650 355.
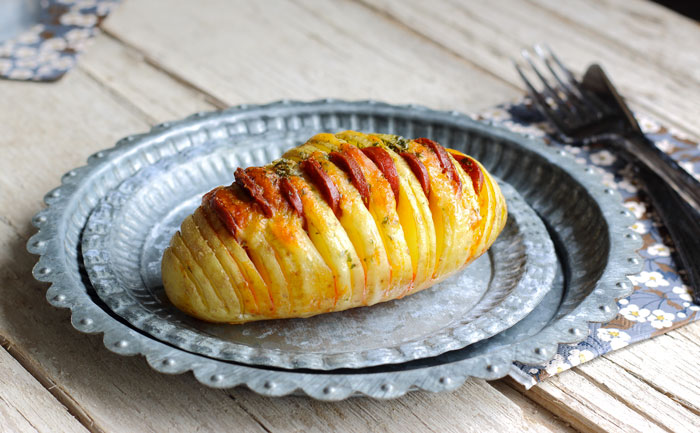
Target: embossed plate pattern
pixel 130 228
pixel 558 188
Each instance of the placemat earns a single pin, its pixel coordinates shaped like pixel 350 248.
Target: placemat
pixel 49 48
pixel 661 301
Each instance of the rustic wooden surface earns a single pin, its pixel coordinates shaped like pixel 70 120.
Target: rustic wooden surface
pixel 159 60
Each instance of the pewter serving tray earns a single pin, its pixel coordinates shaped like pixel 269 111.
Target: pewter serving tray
pixel 130 228
pixel 586 221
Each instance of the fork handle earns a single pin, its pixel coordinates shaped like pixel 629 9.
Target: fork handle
pixel 665 167
pixel 680 219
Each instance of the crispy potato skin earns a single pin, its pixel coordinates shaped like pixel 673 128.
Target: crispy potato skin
pixel 298 238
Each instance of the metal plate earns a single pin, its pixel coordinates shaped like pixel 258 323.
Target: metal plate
pixel 595 258
pixel 130 228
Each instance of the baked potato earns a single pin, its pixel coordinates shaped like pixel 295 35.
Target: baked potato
pixel 343 221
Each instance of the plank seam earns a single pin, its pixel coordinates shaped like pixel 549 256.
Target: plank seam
pixel 648 107
pixel 249 413
pixel 631 51
pixel 577 420
pixel 64 398
pixel 12 227
pixel 403 403
pixel 677 399
pixel 618 397
pixel 389 17
pixel 118 97
pixel 20 414
pixel 510 382
pixel 680 337
pixel 208 97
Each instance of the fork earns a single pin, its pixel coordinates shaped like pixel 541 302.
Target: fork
pixel 592 111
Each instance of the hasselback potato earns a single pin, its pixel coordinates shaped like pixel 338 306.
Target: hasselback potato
pixel 342 221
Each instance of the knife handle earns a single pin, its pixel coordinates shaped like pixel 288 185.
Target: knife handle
pixel 680 219
pixel 665 167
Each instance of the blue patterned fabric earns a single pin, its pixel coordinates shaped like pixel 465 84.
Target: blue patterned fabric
pixel 49 49
pixel 660 302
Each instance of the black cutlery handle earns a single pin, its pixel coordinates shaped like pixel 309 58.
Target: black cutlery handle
pixel 680 219
pixel 666 167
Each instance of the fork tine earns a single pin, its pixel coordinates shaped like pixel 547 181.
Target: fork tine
pixel 564 69
pixel 575 86
pixel 541 101
pixel 573 94
pixel 569 109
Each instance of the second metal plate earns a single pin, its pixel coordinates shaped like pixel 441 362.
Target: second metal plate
pixel 130 228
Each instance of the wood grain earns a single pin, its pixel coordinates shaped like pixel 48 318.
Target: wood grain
pixel 303 51
pixel 490 34
pixel 475 406
pixel 587 407
pixel 161 60
pixel 643 29
pixel 533 411
pixel 666 363
pixel 634 404
pixel 157 96
pixel 648 380
pixel 25 405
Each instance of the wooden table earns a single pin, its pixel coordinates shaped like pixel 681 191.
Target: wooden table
pixel 160 60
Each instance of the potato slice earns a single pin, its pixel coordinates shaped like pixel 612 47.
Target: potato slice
pixel 500 211
pixel 383 207
pixel 332 243
pixel 257 284
pixel 308 276
pixel 215 309
pixel 266 261
pixel 442 208
pixel 425 249
pixel 359 225
pixel 244 291
pixel 381 282
pixel 180 287
pixel 466 216
pixel 417 223
pixel 206 259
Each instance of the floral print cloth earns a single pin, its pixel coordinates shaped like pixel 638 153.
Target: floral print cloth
pixel 660 301
pixel 49 49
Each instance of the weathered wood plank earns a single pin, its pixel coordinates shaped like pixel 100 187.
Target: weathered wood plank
pixel 531 409
pixel 26 406
pixel 638 395
pixel 644 28
pixel 690 333
pixel 305 51
pixel 158 97
pixel 668 363
pixel 46 131
pixel 587 407
pixel 651 380
pixel 490 34
pixel 476 406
